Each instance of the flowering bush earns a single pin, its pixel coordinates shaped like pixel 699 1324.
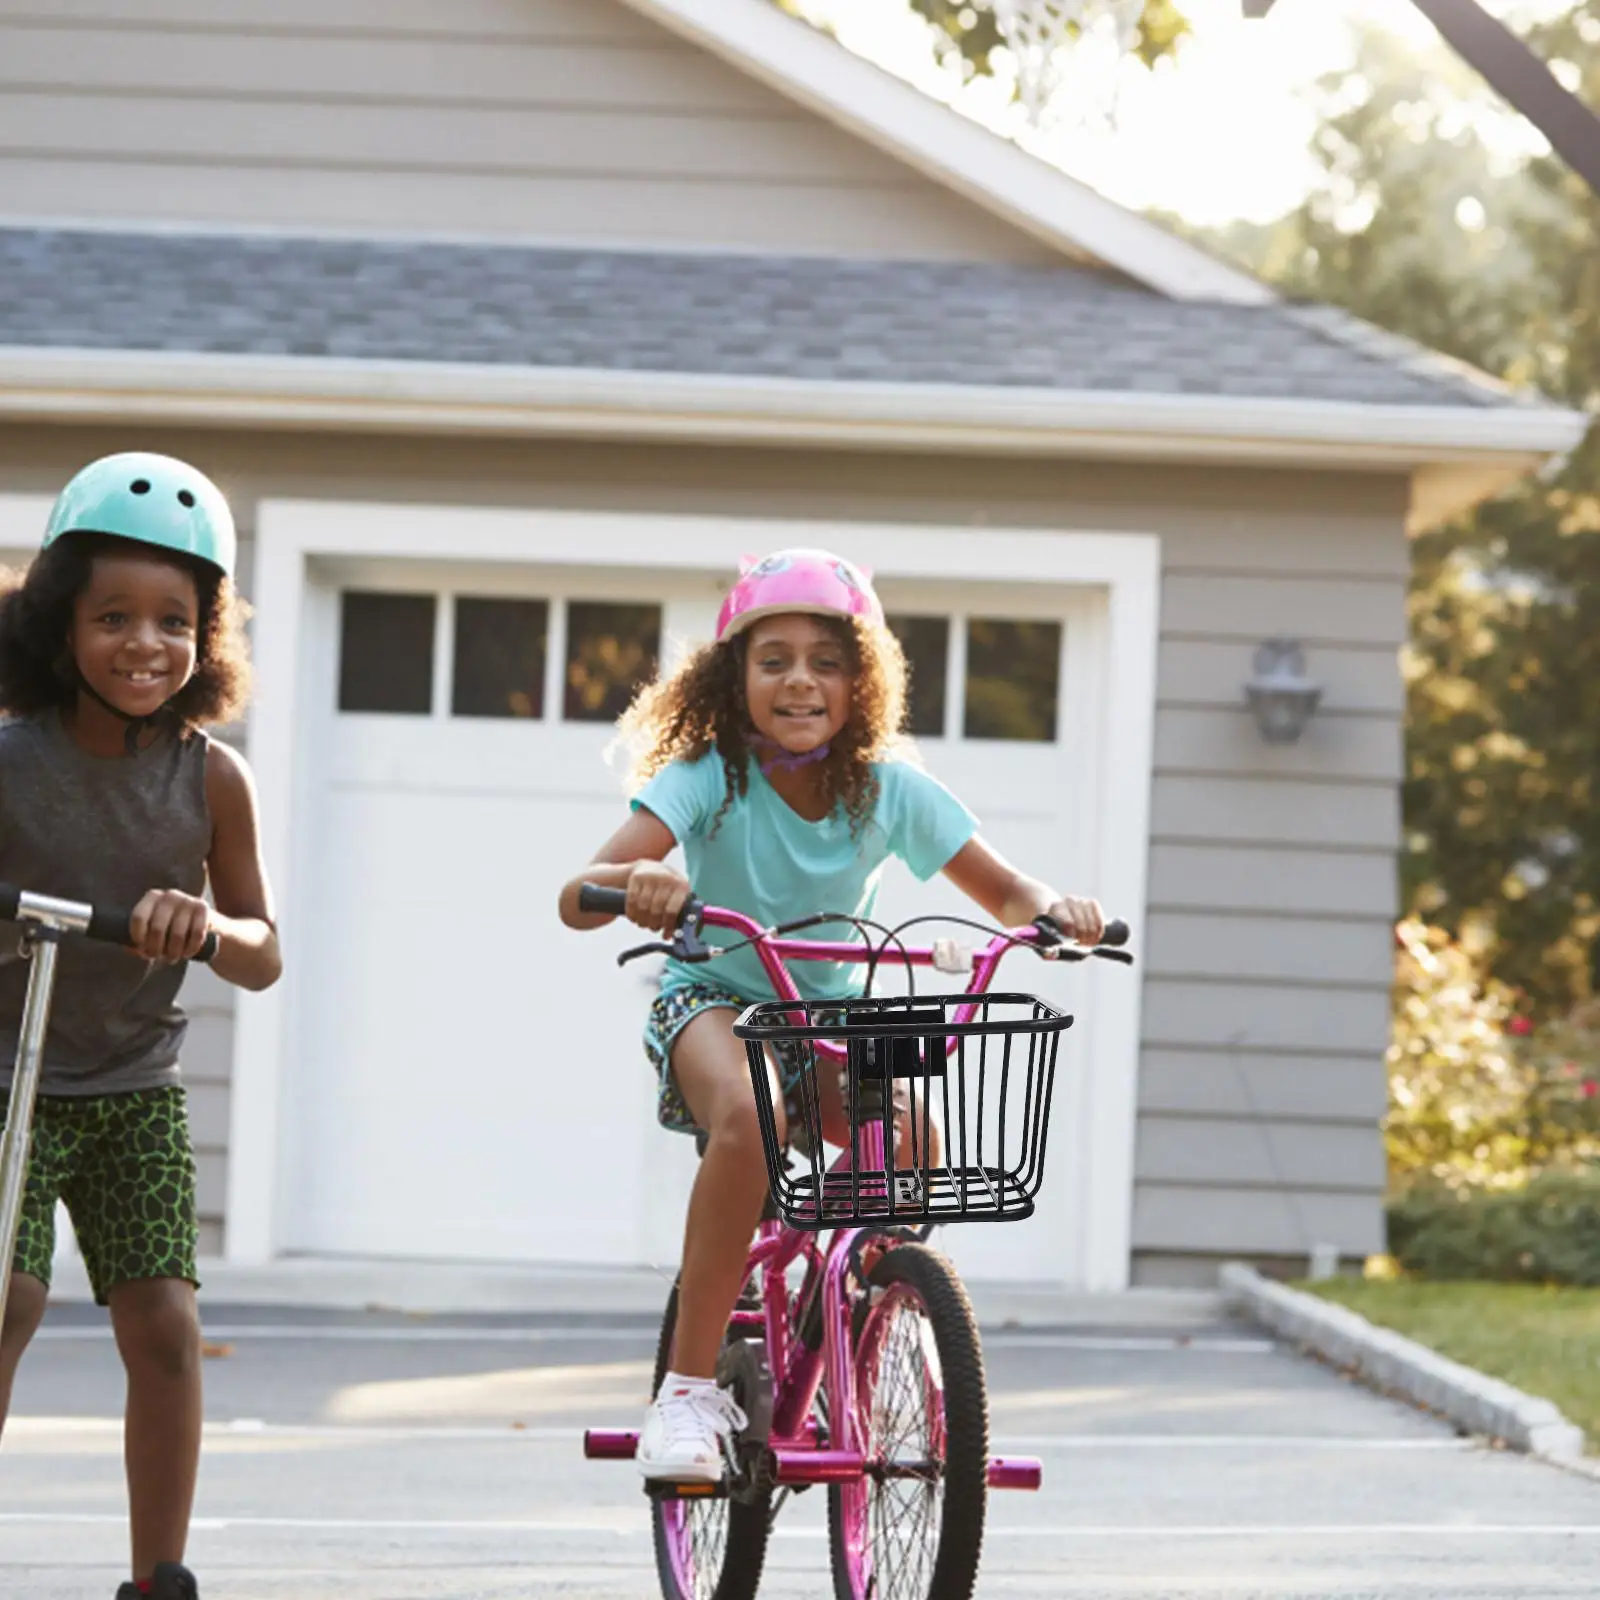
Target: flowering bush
pixel 1478 1096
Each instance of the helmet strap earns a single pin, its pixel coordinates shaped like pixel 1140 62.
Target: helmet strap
pixel 135 725
pixel 783 761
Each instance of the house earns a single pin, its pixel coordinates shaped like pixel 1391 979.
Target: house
pixel 508 325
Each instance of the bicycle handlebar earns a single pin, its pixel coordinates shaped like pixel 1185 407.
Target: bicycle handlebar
pixel 686 944
pixel 107 924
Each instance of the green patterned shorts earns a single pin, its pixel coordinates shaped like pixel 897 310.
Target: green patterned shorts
pixel 124 1166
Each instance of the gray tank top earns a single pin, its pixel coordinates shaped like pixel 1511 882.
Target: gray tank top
pixel 86 827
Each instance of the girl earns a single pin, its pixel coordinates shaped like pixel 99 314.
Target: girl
pixel 769 756
pixel 125 636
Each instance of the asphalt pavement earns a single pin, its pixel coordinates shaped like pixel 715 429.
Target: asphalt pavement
pixel 392 1457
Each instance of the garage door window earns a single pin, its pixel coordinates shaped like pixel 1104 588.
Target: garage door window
pixel 1013 679
pixel 499 658
pixel 386 652
pixel 926 643
pixel 612 649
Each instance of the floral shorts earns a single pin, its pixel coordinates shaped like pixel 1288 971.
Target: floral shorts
pixel 672 1011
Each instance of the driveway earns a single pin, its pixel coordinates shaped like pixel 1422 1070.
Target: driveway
pixel 378 1455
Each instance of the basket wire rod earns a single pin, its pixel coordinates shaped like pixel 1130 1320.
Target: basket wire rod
pixel 811 1108
pixel 1002 1160
pixel 983 1086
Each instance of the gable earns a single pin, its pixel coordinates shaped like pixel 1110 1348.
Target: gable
pixel 553 121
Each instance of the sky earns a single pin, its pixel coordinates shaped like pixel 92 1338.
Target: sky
pixel 1218 134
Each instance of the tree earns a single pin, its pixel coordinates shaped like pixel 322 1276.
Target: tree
pixel 1418 225
pixel 966 32
pixel 968 28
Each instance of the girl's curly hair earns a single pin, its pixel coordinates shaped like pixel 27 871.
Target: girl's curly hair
pixel 701 707
pixel 37 671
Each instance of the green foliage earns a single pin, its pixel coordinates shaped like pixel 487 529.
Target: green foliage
pixel 969 31
pixel 1479 1097
pixel 1422 224
pixel 1545 1232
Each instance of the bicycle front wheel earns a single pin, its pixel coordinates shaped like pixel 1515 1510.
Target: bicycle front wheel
pixel 912 1528
pixel 711 1548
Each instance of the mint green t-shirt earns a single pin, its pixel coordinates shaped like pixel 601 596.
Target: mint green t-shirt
pixel 770 863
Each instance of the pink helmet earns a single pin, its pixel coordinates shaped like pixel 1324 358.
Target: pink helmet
pixel 813 581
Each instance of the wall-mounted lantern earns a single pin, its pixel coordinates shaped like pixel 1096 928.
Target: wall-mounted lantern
pixel 1280 694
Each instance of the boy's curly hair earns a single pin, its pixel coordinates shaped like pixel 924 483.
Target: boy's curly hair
pixel 37 671
pixel 701 707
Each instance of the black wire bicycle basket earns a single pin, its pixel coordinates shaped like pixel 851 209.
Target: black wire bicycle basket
pixel 973 1100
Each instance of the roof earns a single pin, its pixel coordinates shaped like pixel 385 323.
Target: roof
pixel 818 320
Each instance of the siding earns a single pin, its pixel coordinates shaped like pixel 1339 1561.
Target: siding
pixel 557 120
pixel 1272 882
pixel 1272 895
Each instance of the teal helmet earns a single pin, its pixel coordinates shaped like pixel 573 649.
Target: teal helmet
pixel 150 499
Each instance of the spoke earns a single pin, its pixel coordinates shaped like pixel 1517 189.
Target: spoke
pixel 707 1523
pixel 903 1513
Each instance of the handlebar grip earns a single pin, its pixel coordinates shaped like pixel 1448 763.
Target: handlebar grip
pixel 10 902
pixel 111 926
pixel 1116 932
pixel 609 902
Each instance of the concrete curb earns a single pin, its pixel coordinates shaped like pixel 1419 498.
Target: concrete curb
pixel 1479 1404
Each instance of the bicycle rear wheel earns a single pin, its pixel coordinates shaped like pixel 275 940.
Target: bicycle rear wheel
pixel 708 1548
pixel 912 1528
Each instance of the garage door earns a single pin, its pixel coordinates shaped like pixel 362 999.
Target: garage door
pixel 468 1083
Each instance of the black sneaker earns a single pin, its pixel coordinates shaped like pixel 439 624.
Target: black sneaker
pixel 169 1582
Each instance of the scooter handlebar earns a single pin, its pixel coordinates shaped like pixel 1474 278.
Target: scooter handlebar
pixel 105 923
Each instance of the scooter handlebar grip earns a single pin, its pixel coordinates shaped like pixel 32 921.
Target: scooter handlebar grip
pixel 114 927
pixel 1116 932
pixel 110 925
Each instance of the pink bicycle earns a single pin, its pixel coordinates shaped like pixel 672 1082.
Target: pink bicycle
pixel 858 1363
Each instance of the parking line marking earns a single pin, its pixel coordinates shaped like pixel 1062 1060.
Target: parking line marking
pixel 319 1333
pixel 637 1526
pixel 46 1428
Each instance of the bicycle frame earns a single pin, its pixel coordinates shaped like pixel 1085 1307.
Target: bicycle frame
pixel 798 1370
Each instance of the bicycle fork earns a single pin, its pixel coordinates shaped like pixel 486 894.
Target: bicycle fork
pixel 45 922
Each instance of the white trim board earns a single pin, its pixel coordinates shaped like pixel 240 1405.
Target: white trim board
pixel 1457 453
pixel 22 520
pixel 815 71
pixel 1125 566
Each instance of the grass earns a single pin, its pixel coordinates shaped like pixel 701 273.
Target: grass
pixel 1545 1341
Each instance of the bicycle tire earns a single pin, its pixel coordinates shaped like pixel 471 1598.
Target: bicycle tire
pixel 921 1279
pixel 749 1523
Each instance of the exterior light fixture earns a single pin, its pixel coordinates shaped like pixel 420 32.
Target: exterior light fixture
pixel 1280 694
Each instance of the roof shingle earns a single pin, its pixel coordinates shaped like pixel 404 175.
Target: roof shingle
pixel 827 320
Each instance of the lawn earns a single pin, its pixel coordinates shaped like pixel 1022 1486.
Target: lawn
pixel 1545 1341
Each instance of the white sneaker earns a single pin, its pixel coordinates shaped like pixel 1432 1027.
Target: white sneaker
pixel 688 1432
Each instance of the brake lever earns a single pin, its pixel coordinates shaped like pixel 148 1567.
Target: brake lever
pixel 686 944
pixel 689 945
pixel 1053 939
pixel 655 948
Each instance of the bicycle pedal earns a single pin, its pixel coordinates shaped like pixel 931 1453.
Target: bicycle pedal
pixel 690 1489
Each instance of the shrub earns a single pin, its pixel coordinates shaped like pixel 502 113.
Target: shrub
pixel 1548 1231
